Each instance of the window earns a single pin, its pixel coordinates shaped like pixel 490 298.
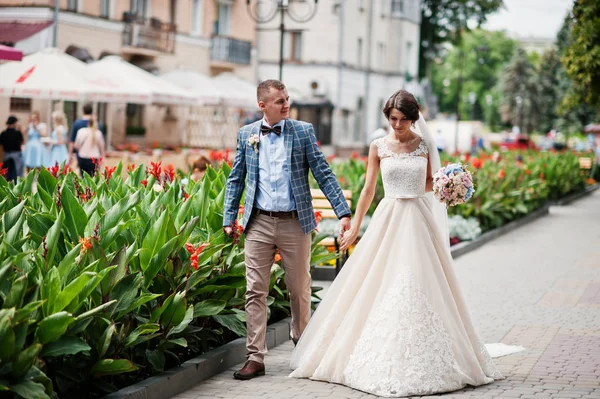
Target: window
pixel 224 21
pixel 408 57
pixel 20 104
pixel 139 7
pixel 381 55
pixel 197 17
pixel 72 5
pixel 292 46
pixel 397 8
pixel 359 51
pixel 135 120
pixel 105 8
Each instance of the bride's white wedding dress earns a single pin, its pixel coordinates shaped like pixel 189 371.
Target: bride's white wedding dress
pixel 394 322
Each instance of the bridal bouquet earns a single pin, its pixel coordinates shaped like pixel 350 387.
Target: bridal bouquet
pixel 453 185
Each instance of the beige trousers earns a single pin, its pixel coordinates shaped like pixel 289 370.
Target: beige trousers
pixel 264 235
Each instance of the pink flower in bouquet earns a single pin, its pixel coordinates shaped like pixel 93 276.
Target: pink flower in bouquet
pixel 453 185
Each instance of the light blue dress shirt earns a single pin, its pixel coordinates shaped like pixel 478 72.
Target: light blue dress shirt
pixel 274 184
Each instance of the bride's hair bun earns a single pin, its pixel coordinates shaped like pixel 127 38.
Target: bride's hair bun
pixel 404 102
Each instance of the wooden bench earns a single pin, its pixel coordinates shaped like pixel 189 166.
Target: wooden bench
pixel 321 204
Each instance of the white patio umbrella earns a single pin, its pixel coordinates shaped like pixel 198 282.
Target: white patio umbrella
pixel 129 75
pixel 203 86
pixel 241 93
pixel 53 75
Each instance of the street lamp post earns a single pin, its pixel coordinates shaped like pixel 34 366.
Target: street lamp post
pixel 264 11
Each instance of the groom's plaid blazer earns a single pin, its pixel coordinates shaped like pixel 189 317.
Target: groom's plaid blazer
pixel 303 154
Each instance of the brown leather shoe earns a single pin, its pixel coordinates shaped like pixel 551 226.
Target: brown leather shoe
pixel 250 370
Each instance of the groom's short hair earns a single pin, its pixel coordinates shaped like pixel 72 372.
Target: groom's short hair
pixel 266 85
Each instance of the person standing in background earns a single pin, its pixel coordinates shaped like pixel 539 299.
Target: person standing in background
pixel 11 141
pixel 79 124
pixel 33 154
pixel 89 145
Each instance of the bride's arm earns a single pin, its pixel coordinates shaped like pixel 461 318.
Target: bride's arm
pixel 365 199
pixel 429 181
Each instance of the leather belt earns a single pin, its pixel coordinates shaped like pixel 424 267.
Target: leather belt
pixel 279 215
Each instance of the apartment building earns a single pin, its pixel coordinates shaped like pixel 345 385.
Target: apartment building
pixel 344 63
pixel 207 36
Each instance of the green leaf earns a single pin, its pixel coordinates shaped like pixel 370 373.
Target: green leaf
pixel 141 330
pixel 53 327
pixel 179 341
pixel 154 240
pixel 232 323
pixel 7 334
pixel 104 341
pixel 52 237
pixel 113 367
pixel 189 315
pixel 140 301
pixel 126 291
pixel 27 310
pixel 16 231
pixel 9 219
pixel 156 358
pixel 71 291
pixel 115 213
pixel 75 217
pixel 50 289
pixel 97 309
pixel 65 346
pixel 67 265
pixel 25 360
pixel 119 260
pixel 46 181
pixel 175 312
pixel 30 390
pixel 209 307
pixel 15 296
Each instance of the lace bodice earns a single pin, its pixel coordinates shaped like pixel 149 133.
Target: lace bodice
pixel 404 174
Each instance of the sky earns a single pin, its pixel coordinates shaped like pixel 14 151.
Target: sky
pixel 525 18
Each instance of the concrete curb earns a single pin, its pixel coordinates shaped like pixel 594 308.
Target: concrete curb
pixel 576 196
pixel 189 374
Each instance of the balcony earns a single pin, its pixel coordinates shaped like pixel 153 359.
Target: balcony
pixel 228 50
pixel 148 37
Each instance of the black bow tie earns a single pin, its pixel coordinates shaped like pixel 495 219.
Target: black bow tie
pixel 266 129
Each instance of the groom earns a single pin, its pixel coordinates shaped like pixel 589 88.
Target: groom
pixel 272 162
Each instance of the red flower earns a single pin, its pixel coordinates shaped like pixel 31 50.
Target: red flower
pixel 542 176
pixel 227 154
pixel 476 163
pixel 185 196
pixel 501 174
pixel 527 172
pixel 467 156
pixel 144 182
pixel 54 170
pixel 318 143
pixel 156 170
pixel 241 210
pixel 131 167
pixel 354 155
pixel 195 252
pixel 109 171
pixel 97 161
pixel 318 216
pixel 330 158
pixel 169 172
pixel 230 164
pixel 3 171
pixel 66 169
pixel 238 227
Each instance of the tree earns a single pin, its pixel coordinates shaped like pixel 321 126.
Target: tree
pixel 581 57
pixel 484 56
pixel 520 103
pixel 547 80
pixel 443 21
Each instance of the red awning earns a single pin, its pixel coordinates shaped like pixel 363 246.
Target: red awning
pixel 10 54
pixel 14 31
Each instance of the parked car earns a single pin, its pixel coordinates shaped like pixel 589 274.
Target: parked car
pixel 521 142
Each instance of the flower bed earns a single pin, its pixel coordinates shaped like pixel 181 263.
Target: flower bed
pixel 105 281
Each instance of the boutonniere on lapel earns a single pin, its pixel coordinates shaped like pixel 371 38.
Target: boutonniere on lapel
pixel 253 140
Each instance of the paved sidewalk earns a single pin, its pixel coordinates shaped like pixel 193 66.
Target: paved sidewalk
pixel 538 287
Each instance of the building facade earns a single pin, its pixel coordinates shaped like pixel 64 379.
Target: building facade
pixel 207 36
pixel 344 63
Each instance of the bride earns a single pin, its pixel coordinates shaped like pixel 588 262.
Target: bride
pixel 394 322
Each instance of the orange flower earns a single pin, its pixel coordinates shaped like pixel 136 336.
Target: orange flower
pixel 277 257
pixel 476 163
pixel 527 172
pixel 241 210
pixel 501 174
pixel 195 252
pixel 86 244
